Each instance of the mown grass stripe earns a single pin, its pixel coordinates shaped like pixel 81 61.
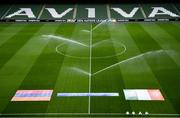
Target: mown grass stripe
pixel 14 71
pixel 171 47
pixel 70 80
pixel 42 75
pixel 138 65
pixel 10 47
pixel 171 29
pixel 167 73
pixel 4 26
pixel 176 24
pixel 167 70
pixel 118 37
pixel 134 70
pixel 109 80
pixel 9 32
pixel 145 43
pixel 150 58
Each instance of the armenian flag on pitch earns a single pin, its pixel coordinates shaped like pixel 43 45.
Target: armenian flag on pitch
pixel 32 95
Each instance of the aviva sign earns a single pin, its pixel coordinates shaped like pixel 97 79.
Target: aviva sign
pixel 78 12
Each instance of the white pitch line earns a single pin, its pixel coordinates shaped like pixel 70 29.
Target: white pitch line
pixel 124 114
pixel 90 55
pixel 164 114
pixel 137 56
pixel 39 114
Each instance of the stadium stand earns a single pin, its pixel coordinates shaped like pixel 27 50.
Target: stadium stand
pixel 84 1
pixel 59 9
pixel 128 8
pixel 148 9
pixel 3 9
pixel 14 8
pixel 90 13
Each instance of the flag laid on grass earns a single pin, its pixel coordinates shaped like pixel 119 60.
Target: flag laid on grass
pixel 143 94
pixel 32 95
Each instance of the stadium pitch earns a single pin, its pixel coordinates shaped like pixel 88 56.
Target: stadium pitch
pixel 105 69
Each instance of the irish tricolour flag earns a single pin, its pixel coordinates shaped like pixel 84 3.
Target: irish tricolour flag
pixel 143 94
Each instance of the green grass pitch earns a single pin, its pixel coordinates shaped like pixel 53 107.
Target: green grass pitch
pixel 106 57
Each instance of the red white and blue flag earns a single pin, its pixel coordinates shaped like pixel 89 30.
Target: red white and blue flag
pixel 32 95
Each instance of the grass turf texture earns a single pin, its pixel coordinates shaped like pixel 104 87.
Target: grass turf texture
pixel 30 61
